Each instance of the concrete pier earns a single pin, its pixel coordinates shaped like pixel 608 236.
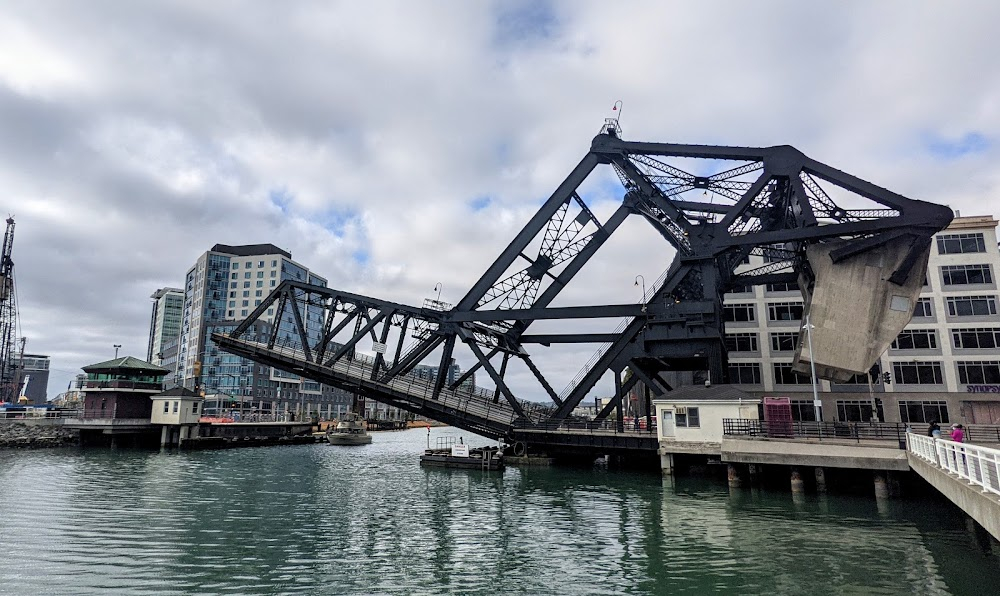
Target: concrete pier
pixel 733 473
pixel 798 486
pixel 820 480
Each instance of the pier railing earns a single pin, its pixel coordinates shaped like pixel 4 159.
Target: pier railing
pixel 975 464
pixel 822 431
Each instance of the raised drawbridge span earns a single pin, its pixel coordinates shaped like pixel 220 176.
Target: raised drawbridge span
pixel 855 250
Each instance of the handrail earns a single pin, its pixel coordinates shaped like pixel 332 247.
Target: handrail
pixel 979 466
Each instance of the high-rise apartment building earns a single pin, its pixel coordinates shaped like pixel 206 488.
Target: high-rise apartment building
pixel 221 290
pixel 944 366
pixel 164 325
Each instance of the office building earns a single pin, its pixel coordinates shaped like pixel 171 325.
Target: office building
pixel 944 366
pixel 164 324
pixel 223 287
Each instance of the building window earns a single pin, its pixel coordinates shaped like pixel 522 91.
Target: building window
pixel 272 283
pixel 968 306
pixel 274 263
pixel 976 339
pixel 232 304
pixel 260 274
pixel 260 284
pixel 194 408
pixel 857 410
pixel 687 419
pixel 243 312
pixel 978 373
pixel 270 312
pixel 741 342
pixel 236 265
pixel 246 284
pixel 962 275
pixel 234 276
pixel 786 287
pixel 784 311
pixel 744 373
pixel 260 264
pixel 915 339
pixel 274 274
pixel 258 293
pixel 923 411
pixel 232 294
pixel 176 406
pixel 923 308
pixel 917 373
pixel 166 407
pixel 951 244
pixel 740 290
pixel 245 303
pixel 784 375
pixel 738 313
pixel 232 313
pixel 247 275
pixel 803 410
pixel 784 342
pixel 246 293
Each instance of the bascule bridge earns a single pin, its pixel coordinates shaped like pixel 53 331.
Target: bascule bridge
pixel 857 251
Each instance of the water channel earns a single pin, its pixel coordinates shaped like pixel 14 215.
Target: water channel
pixel 316 519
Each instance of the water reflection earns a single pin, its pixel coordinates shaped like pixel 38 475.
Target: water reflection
pixel 350 520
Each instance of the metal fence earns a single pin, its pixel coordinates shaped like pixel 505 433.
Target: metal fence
pixel 823 431
pixel 975 464
pixel 856 431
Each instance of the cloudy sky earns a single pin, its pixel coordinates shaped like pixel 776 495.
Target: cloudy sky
pixel 391 146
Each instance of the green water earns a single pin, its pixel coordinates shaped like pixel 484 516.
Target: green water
pixel 316 519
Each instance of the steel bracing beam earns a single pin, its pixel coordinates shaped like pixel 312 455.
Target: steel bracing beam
pixel 770 201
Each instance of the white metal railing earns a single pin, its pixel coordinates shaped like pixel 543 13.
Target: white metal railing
pixel 977 465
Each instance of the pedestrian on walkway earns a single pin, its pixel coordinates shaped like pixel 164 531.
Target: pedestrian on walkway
pixel 933 430
pixel 958 433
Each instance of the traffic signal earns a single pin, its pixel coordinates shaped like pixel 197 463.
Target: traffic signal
pixel 886 378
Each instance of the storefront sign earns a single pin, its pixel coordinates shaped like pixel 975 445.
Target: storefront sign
pixel 982 388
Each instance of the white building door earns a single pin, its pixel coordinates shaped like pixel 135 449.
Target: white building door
pixel 667 422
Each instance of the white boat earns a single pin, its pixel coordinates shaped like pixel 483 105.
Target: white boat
pixel 350 430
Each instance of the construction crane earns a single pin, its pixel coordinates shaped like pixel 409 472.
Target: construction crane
pixel 9 385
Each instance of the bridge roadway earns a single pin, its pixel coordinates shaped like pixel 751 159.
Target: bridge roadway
pixel 475 410
pixel 969 475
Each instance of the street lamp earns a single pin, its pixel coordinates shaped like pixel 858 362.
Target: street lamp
pixel 116 346
pixel 437 288
pixel 812 367
pixel 639 278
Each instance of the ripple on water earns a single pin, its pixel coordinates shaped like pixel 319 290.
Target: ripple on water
pixel 368 520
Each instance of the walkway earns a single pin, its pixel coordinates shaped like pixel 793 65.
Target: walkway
pixel 969 475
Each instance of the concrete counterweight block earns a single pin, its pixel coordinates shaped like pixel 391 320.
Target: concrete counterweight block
pixel 854 309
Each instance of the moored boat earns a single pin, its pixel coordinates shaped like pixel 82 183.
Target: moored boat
pixel 350 430
pixel 462 456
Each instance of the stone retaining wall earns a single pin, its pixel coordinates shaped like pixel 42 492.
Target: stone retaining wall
pixel 34 436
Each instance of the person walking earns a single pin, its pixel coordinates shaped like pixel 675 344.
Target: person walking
pixel 933 430
pixel 958 433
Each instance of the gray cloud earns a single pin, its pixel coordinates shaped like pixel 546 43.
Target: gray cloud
pixel 137 135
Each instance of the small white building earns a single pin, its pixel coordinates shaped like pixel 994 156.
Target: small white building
pixel 179 411
pixel 689 419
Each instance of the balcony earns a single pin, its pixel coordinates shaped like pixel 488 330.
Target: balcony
pixel 123 385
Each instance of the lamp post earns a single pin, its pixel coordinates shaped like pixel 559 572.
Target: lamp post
pixel 116 346
pixel 437 288
pixel 812 367
pixel 639 278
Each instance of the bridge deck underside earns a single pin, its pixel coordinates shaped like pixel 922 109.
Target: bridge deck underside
pixel 474 410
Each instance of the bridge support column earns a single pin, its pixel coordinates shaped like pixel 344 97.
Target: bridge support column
pixel 881 486
pixel 820 480
pixel 733 473
pixel 754 470
pixel 667 464
pixel 164 436
pixel 895 486
pixel 798 486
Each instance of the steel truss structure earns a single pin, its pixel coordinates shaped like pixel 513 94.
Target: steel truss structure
pixel 770 201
